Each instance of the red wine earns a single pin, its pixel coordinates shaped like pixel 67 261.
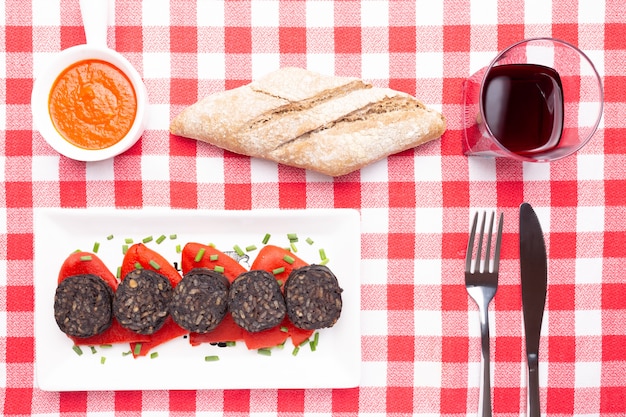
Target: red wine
pixel 523 105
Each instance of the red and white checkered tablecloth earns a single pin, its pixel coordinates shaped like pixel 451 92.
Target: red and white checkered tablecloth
pixel 420 338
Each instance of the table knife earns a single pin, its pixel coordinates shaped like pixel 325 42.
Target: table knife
pixel 534 275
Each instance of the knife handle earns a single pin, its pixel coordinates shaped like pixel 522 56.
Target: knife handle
pixel 534 409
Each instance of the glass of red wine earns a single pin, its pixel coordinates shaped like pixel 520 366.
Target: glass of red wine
pixel 539 100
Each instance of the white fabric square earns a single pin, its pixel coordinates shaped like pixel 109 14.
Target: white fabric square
pixel 535 172
pixel 481 169
pixel 428 168
pixel 591 11
pixel 373 271
pixel 374 220
pixel 480 59
pixel 427 323
pixel 322 63
pixel 597 58
pixel 590 167
pixel 262 170
pixel 537 11
pixel 376 172
pixel 264 13
pixel 588 322
pixel 428 271
pixel 590 219
pixel 211 66
pixel 588 270
pixel 588 114
pixel 429 220
pixel 3 230
pixel 427 374
pixel 375 66
pixel 320 14
pixel 374 13
pixel 100 170
pixel 155 168
pixel 312 176
pixel 587 374
pixel 3 314
pixel 374 322
pixel 428 12
pixel 210 170
pixel 3 114
pixel 156 65
pixel 45 12
pixel 210 13
pixel 45 168
pixel 155 13
pixel 484 12
pixel 158 117
pixel 373 374
pixel 263 64
pixel 429 64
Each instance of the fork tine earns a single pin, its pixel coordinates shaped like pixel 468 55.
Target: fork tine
pixel 496 254
pixel 486 267
pixel 470 244
pixel 479 249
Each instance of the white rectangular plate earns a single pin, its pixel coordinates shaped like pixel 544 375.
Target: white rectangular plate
pixel 335 363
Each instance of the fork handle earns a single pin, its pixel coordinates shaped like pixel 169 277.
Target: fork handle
pixel 484 403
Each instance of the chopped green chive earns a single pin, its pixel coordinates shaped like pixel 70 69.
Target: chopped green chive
pixel 232 343
pixel 250 248
pixel 77 349
pixel 293 237
pixel 266 238
pixel 211 358
pixel 124 249
pixel 93 350
pixel 118 274
pixel 295 351
pixel 219 268
pixel 289 259
pixel 154 355
pixel 322 254
pixel 279 282
pixel 173 236
pixel 238 250
pixel 178 249
pixel 138 265
pixel 313 343
pixel 110 237
pixel 102 360
pixel 137 349
pixel 85 258
pixel 304 343
pixel 214 257
pixel 147 239
pixel 284 329
pixel 128 240
pixel 293 247
pixel 281 345
pixel 127 353
pixel 309 241
pixel 278 270
pixel 265 352
pixel 96 246
pixel 199 255
pixel 154 265
pixel 106 346
pixel 160 239
pixel 324 262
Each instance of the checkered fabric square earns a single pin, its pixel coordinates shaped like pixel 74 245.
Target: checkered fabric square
pixel 420 337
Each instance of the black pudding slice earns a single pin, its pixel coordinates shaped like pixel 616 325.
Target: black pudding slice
pixel 255 301
pixel 82 305
pixel 313 297
pixel 141 301
pixel 200 300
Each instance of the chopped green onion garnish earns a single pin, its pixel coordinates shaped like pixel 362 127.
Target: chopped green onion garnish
pixel 279 282
pixel 103 360
pixel 313 343
pixel 219 268
pixel 312 346
pixel 154 265
pixel 199 255
pixel 110 237
pixel 124 249
pixel 324 262
pixel 138 265
pixel 127 353
pixel 266 238
pixel 265 352
pixel 232 343
pixel 212 358
pixel 284 329
pixel 309 241
pixel 137 349
pixel 173 236
pixel 77 349
pixel 290 260
pixel 147 239
pixel 106 346
pixel 160 239
pixel 211 244
pixel 238 250
pixel 322 254
pixel 93 350
pixel 119 272
pixel 154 355
pixel 293 247
pixel 281 345
pixel 250 248
pixel 293 237
pixel 177 248
pixel 214 257
pixel 295 351
pixel 128 240
pixel 85 258
pixel 278 270
pixel 96 246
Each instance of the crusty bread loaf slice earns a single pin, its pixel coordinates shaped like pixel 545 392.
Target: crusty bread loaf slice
pixel 332 125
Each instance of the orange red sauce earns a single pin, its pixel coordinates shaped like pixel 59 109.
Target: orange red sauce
pixel 92 104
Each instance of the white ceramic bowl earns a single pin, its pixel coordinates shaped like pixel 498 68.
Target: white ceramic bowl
pixel 41 92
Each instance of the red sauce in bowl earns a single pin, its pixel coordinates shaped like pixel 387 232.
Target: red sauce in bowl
pixel 92 104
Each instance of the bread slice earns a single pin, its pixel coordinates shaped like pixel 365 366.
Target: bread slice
pixel 332 125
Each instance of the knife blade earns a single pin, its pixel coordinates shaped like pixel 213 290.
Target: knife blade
pixel 534 276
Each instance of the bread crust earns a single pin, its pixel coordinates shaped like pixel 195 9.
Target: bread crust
pixel 332 125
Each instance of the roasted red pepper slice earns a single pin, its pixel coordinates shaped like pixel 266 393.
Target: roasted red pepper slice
pixel 169 331
pixel 140 254
pixel 192 250
pixel 226 331
pixel 79 263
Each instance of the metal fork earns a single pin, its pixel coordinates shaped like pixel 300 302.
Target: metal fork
pixel 481 283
